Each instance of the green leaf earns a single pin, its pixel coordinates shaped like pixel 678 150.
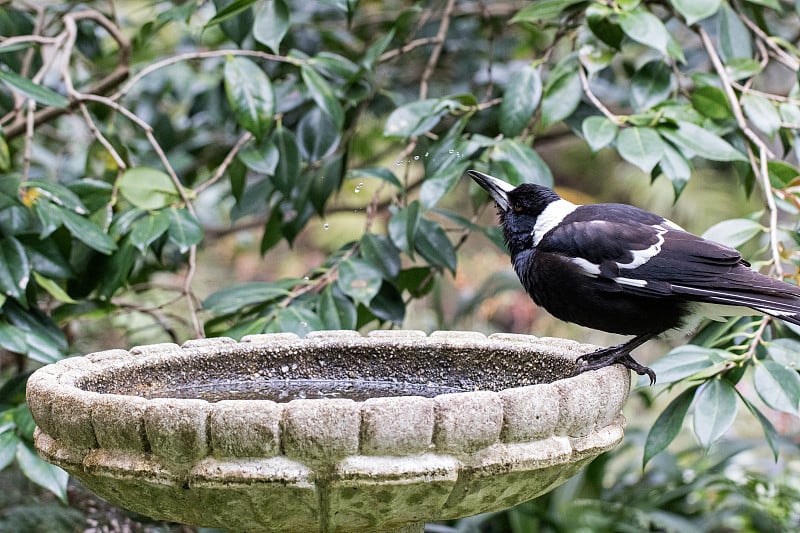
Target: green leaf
pixel 43 474
pixel 418 281
pixel 789 113
pixel 641 147
pixel 250 95
pixel 741 68
pixel 770 432
pixel 237 297
pixel 184 229
pixel 645 28
pixel 711 102
pixel 48 259
pixel 53 288
pixel 432 244
pixel 388 304
pixel 562 93
pixel 773 4
pixel 8 448
pixel 57 194
pixel 734 232
pixel 15 268
pixel 317 135
pixel 44 340
pixel 520 100
pixel 778 386
pixel 414 118
pixel 598 131
pixel 323 95
pixel 117 269
pixel 651 85
pixel 336 310
pixel 697 140
pixel 714 411
pixel 148 228
pixel 676 168
pixel 684 361
pixel 27 88
pixel 229 11
pixel 403 227
pixel 87 232
pixel 599 20
pixel 5 155
pixel 12 338
pixel 733 36
pixel 381 253
pixel 298 320
pixel 694 10
pixel 667 425
pixel 359 280
pixel 520 163
pixel 761 113
pixel 272 21
pixel 374 172
pixel 260 156
pixel 147 188
pixel 785 352
pixel 435 187
pixel 288 167
pixel 542 10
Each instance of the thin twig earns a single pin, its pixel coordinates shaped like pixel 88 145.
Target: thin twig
pixel 198 55
pixel 780 54
pixel 441 35
pixel 773 214
pixel 244 139
pixel 411 45
pixel 594 100
pixel 728 88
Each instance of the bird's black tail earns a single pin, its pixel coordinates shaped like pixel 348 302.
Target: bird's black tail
pixel 778 299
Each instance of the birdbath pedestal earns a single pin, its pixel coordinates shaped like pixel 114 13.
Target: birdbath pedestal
pixel 334 432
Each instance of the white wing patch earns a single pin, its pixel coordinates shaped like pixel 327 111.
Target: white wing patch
pixel 641 257
pixel 631 282
pixel 551 217
pixel 588 268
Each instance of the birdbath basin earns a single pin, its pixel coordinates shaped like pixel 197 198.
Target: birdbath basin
pixel 333 432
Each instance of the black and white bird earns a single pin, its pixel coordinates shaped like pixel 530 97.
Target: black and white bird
pixel 620 269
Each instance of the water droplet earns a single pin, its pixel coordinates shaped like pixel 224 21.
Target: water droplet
pixel 399 162
pixel 458 154
pixel 416 158
pixel 326 226
pixel 358 187
pixel 451 151
pixel 303 324
pixel 306 278
pixel 427 154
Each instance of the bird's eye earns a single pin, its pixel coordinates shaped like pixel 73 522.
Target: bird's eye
pixel 518 208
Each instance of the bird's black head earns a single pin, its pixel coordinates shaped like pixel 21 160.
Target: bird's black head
pixel 517 207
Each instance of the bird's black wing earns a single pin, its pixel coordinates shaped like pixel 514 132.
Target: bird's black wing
pixel 647 255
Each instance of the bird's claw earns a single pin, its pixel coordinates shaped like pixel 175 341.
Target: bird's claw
pixel 608 356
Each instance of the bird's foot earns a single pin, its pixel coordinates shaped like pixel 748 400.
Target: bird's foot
pixel 609 356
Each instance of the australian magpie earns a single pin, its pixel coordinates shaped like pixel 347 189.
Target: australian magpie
pixel 620 269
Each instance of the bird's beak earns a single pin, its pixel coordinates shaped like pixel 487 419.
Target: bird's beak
pixel 497 188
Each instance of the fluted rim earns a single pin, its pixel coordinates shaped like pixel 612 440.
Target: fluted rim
pixel 184 431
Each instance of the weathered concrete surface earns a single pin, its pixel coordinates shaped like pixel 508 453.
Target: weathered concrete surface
pixel 390 463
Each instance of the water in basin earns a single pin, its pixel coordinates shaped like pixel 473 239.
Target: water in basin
pixel 286 390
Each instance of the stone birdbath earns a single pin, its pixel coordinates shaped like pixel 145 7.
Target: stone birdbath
pixel 334 432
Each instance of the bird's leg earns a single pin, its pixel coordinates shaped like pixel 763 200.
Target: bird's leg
pixel 621 354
